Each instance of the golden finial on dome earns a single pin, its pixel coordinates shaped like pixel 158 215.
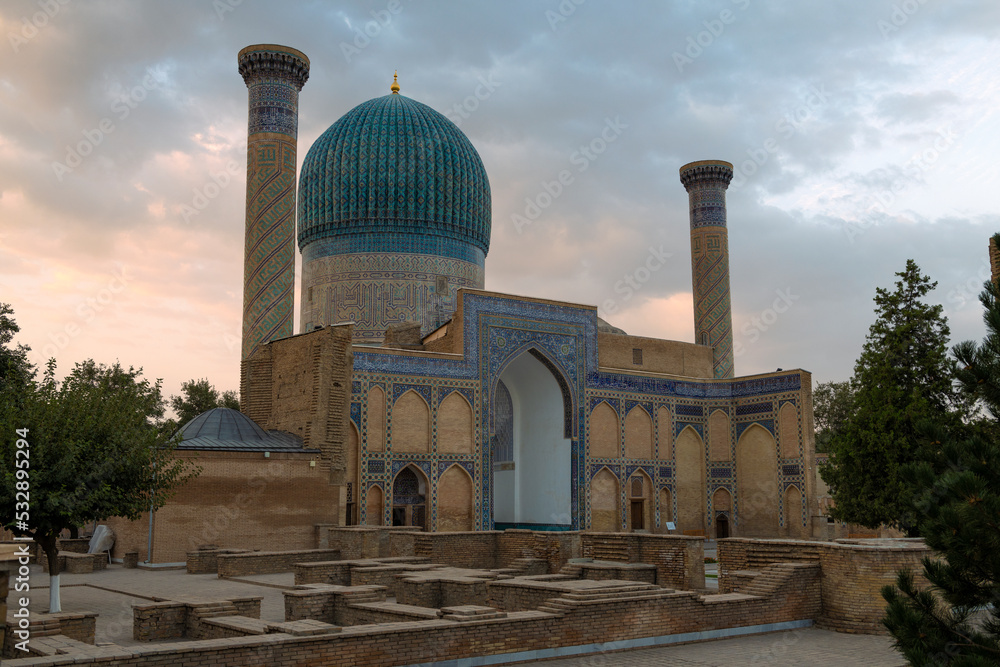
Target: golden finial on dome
pixel 395 83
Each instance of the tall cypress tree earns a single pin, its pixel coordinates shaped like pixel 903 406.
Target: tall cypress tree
pixel 957 621
pixel 903 377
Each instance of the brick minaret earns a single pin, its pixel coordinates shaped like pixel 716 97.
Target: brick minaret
pixel 274 75
pixel 706 182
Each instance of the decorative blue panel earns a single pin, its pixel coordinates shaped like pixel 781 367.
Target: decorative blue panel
pixel 753 408
pixel 422 389
pixel 790 469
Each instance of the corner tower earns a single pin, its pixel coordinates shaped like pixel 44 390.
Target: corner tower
pixel 394 217
pixel 706 182
pixel 274 75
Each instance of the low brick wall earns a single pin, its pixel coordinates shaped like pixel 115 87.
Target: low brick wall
pixel 326 572
pixel 338 572
pixel 401 543
pixel 853 573
pixel 514 543
pixel 177 619
pixel 513 595
pixel 853 577
pixel 269 562
pixel 438 592
pixel 386 612
pixel 642 572
pixel 158 621
pixel 84 563
pixel 356 542
pixel 679 559
pixel 578 623
pixel 461 549
pixel 206 561
pixel 79 626
pixel 328 603
pixel 78 545
pixel 74 562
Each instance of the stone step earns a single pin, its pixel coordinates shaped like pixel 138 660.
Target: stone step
pixel 405 610
pixel 468 612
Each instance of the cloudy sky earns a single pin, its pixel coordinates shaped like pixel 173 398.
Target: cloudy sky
pixel 863 134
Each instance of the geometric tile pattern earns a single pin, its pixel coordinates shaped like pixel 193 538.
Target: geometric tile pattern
pixel 374 290
pixel 706 184
pixel 274 76
pixel 392 164
pixel 497 330
pixel 393 199
pixel 269 256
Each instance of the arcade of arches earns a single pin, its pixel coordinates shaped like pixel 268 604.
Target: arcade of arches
pixel 531 455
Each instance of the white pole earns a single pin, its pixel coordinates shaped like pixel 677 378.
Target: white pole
pixel 55 605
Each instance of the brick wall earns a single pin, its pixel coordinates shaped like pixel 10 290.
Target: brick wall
pixel 328 603
pixel 658 356
pixel 323 572
pixel 74 625
pixel 268 562
pixel 222 506
pixel 77 546
pixel 438 592
pixel 158 621
pixel 853 577
pixel 176 619
pixel 472 549
pixel 513 544
pixel 642 572
pixel 853 573
pixel 357 542
pixel 679 559
pixel 514 595
pixel 302 385
pixel 441 640
pixel 205 561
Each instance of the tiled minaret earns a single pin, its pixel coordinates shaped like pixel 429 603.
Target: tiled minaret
pixel 274 75
pixel 706 182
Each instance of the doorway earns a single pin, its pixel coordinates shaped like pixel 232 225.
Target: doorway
pixel 409 499
pixel 721 527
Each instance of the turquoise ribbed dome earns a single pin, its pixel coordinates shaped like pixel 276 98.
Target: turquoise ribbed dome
pixel 394 175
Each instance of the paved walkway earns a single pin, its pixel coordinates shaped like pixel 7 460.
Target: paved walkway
pixel 809 647
pixel 112 592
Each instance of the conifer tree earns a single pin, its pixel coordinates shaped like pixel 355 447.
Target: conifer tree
pixel 956 621
pixel 903 377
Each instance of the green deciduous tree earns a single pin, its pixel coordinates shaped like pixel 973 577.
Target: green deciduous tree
pixel 198 396
pixel 84 449
pixel 833 403
pixel 902 378
pixel 957 503
pixel 15 370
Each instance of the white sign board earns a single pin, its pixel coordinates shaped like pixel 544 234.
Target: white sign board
pixel 671 525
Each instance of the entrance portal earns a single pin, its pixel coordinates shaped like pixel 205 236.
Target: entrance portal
pixel 531 448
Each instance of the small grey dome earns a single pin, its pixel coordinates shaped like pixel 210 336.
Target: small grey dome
pixel 228 429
